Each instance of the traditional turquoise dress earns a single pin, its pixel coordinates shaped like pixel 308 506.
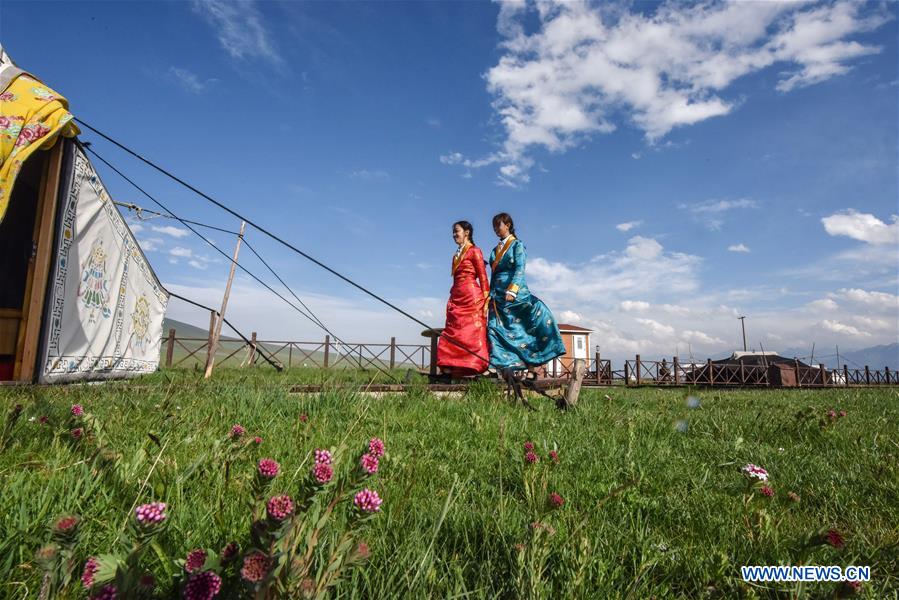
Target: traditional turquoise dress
pixel 522 332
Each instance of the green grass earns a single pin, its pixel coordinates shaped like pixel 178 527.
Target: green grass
pixel 650 511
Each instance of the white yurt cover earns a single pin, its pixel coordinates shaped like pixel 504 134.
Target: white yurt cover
pixel 104 303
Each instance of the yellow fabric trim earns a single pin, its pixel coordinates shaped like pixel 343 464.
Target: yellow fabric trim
pixel 32 117
pixel 502 252
pixel 458 260
pixel 513 287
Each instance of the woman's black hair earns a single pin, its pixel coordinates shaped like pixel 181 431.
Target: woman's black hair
pixel 466 226
pixel 504 218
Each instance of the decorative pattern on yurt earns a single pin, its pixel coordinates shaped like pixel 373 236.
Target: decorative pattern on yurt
pixel 106 306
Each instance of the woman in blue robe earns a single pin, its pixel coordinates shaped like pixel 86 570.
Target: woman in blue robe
pixel 522 331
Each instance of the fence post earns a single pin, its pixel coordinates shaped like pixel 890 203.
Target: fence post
pixel 555 368
pixel 360 356
pixel 886 371
pixel 327 349
pixel 627 375
pixel 170 348
pixel 433 367
pixel 867 375
pixel 823 375
pixel 210 341
pixel 638 369
pixel 598 366
pixel 289 354
pixel 392 352
pixel 708 365
pixel 675 364
pixel 252 361
pixel 574 383
pixel 845 375
pixel 742 372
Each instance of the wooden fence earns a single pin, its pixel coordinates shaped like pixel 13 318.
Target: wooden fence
pixel 327 354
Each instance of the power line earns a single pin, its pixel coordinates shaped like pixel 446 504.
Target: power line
pixel 314 320
pixel 279 239
pixel 287 287
pixel 271 361
pixel 140 210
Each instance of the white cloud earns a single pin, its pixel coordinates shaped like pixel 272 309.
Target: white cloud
pixel 823 305
pixel 738 248
pixel 181 252
pixel 239 27
pixel 150 244
pixel 190 81
pixel 370 175
pixel 864 227
pixel 633 272
pixel 625 227
pixel 875 300
pixel 433 122
pixel 837 327
pixel 712 212
pixel 635 306
pixel 569 316
pixel 719 206
pixel 584 64
pixel 656 329
pixel 699 337
pixel 135 227
pixel 175 232
pixel 197 264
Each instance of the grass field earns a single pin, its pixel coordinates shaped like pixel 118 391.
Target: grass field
pixel 654 501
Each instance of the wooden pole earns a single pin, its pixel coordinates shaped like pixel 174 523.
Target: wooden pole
pixel 798 376
pixel 638 369
pixel 212 321
pixel 708 364
pixel 742 372
pixel 823 375
pixel 886 371
pixel 598 368
pixel 251 357
pixel 38 271
pixel 627 375
pixel 327 349
pixel 213 345
pixel 289 354
pixel 392 352
pixel 574 385
pixel 867 375
pixel 170 349
pixel 676 368
pixel 845 374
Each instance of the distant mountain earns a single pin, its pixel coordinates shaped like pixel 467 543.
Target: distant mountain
pixel 876 357
pixel 186 330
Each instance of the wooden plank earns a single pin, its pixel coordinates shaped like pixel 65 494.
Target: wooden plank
pixel 574 385
pixel 39 266
pixel 401 388
pixel 214 341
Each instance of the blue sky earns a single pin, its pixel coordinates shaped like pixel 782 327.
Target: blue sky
pixel 669 166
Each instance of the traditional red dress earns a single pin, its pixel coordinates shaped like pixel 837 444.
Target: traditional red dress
pixel 466 323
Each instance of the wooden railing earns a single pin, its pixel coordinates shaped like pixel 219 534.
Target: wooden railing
pixel 189 352
pixel 327 354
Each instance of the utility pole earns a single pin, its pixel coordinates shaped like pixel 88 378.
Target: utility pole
pixel 743 324
pixel 213 345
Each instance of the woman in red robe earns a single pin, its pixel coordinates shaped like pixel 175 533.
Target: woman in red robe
pixel 462 348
